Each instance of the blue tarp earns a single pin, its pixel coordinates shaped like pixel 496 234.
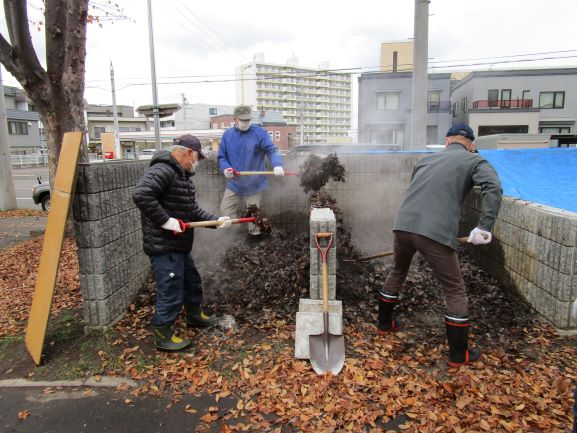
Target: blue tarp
pixel 546 176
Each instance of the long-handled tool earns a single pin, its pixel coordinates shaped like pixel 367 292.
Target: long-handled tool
pixel 216 223
pixel 326 350
pixel 259 173
pixel 390 253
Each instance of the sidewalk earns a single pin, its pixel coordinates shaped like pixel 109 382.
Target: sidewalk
pixel 15 230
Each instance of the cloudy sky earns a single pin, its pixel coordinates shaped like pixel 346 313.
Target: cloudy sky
pixel 199 44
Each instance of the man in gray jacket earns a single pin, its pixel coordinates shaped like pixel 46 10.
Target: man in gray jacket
pixel 428 223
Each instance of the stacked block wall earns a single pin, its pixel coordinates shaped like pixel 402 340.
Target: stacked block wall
pixel 535 248
pixel 535 253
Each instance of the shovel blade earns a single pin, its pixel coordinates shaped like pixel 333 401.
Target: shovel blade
pixel 327 353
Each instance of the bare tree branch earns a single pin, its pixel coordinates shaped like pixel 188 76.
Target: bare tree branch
pixel 56 29
pixel 17 19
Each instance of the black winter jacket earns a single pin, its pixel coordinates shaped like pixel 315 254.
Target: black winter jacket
pixel 167 190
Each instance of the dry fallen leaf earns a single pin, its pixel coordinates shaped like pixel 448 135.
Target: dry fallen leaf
pixel 22 415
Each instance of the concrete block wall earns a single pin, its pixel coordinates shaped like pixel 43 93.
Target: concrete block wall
pixel 534 252
pixel 113 266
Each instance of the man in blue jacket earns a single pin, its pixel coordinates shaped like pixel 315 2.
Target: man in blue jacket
pixel 243 148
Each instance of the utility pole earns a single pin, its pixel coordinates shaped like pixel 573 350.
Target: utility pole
pixel 116 138
pixel 155 110
pixel 418 139
pixel 7 193
pixel 184 104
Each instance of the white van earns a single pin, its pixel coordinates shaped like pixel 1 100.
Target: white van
pixel 146 153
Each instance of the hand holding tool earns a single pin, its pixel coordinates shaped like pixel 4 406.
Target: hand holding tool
pixel 479 236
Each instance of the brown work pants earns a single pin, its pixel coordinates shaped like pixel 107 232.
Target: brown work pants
pixel 443 260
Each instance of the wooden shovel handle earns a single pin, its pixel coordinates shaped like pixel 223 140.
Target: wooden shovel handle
pixel 324 253
pixel 216 223
pixel 462 241
pixel 259 173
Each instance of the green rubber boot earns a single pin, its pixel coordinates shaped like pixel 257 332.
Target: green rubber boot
pixel 166 341
pixel 196 317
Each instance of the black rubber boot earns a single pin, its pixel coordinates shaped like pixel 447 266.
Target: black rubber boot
pixel 458 339
pixel 196 317
pixel 166 341
pixel 386 323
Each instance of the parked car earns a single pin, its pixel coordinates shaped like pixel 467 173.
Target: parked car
pixel 41 194
pixel 146 153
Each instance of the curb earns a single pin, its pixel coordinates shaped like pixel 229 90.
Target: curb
pixel 102 382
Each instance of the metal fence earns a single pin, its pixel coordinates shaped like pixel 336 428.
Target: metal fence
pixel 36 160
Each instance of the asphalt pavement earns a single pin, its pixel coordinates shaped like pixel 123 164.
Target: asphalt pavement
pixel 70 407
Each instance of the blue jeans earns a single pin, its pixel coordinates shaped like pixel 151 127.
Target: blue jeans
pixel 177 283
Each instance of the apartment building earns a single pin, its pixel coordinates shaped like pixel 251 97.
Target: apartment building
pixel 385 108
pixel 517 101
pixel 316 100
pixel 24 132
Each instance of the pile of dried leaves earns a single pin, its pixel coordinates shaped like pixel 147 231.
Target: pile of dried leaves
pixel 18 279
pixel 18 213
pixel 524 382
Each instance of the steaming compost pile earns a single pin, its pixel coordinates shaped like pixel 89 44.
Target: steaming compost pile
pixel 264 281
pixel 316 172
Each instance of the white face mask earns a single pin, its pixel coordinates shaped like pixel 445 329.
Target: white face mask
pixel 194 165
pixel 243 125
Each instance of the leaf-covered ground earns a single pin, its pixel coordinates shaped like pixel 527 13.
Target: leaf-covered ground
pixel 400 382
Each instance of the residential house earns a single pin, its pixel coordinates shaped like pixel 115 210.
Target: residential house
pixel 385 108
pixel 197 116
pixel 517 101
pixel 24 132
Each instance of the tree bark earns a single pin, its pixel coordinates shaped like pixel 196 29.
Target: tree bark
pixel 57 91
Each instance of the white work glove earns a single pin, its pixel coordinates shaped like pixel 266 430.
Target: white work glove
pixel 173 225
pixel 226 222
pixel 229 173
pixel 479 236
pixel 278 171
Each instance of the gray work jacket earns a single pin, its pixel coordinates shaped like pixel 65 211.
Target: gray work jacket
pixel 439 185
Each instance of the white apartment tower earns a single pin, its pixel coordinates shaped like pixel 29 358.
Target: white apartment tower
pixel 317 100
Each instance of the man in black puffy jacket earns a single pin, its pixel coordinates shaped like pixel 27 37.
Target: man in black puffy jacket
pixel 428 223
pixel 166 196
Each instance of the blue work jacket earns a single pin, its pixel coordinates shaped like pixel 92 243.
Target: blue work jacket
pixel 246 151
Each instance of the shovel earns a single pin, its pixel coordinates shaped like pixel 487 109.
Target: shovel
pixel 326 350
pixel 390 253
pixel 215 223
pixel 260 173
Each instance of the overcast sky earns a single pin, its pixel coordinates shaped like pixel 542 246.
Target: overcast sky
pixel 204 41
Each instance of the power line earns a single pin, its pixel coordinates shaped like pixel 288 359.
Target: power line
pixel 377 68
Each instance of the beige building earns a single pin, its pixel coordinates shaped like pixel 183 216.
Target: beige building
pixel 396 56
pixel 314 99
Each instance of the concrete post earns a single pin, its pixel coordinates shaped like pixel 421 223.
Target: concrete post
pixel 418 138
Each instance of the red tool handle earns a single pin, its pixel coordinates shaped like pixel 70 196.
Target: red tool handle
pixel 215 223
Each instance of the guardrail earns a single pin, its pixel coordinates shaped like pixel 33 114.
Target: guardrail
pixel 36 160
